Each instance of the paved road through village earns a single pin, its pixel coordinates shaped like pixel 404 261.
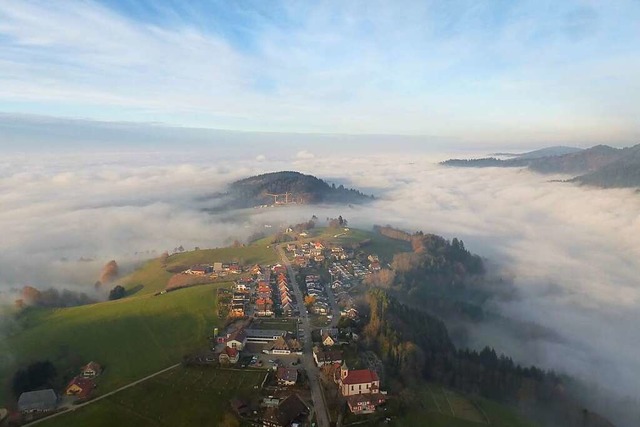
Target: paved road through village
pixel 319 405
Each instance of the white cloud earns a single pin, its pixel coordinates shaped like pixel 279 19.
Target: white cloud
pixel 304 155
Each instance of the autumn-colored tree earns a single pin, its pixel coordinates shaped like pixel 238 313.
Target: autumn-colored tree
pixel 163 258
pixel 309 300
pixel 30 295
pixel 382 279
pixel 109 272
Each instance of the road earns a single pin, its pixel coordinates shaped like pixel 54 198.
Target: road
pixel 319 405
pixel 335 310
pixel 104 396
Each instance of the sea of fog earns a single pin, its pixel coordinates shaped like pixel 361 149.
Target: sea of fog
pixel 572 251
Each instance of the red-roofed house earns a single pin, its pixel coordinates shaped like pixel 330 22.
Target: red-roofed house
pixel 229 355
pixel 364 403
pixel 91 370
pixel 80 387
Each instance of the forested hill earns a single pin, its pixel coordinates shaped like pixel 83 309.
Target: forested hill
pixel 415 346
pixel 600 166
pixel 622 173
pixel 290 187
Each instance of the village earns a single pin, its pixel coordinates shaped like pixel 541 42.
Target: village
pixel 290 320
pixel 268 331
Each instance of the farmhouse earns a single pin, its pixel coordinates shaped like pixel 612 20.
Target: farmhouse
pixel 91 370
pixel 287 376
pixel 200 270
pixel 80 387
pixel 38 401
pixel 364 403
pixel 237 339
pixel 327 357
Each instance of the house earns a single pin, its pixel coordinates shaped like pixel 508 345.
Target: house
pixel 217 267
pixel 237 339
pixel 80 387
pixel 280 346
pixel 264 307
pixel 200 270
pixel 327 357
pixel 38 401
pixel 294 346
pixel 237 310
pixel 287 376
pixel 91 370
pixel 287 308
pixel 289 410
pixel 327 340
pixel 241 287
pixel 361 381
pixel 364 403
pixel 229 356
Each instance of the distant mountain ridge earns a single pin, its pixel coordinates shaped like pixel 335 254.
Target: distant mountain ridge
pixel 288 187
pixel 600 166
pixel 543 152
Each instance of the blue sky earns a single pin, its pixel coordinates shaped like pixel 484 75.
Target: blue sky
pixel 505 71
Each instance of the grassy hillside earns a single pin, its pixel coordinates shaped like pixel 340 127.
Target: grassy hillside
pixel 131 337
pixel 181 397
pixel 436 406
pixel 153 277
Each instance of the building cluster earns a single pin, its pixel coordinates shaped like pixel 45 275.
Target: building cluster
pixel 217 269
pixel 361 389
pixel 317 290
pixel 37 402
pixel 308 253
pixel 269 291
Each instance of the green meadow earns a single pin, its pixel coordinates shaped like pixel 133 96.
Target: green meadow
pixel 180 397
pixel 131 337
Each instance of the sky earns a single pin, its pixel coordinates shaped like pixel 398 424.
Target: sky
pixel 501 72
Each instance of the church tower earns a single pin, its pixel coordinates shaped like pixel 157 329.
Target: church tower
pixel 344 371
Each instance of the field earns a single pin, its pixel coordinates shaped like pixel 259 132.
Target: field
pixel 152 277
pixel 131 337
pixel 181 397
pixel 438 407
pixel 289 325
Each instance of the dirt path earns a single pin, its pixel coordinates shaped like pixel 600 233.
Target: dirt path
pixel 104 396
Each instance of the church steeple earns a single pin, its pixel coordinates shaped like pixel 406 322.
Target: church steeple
pixel 344 370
